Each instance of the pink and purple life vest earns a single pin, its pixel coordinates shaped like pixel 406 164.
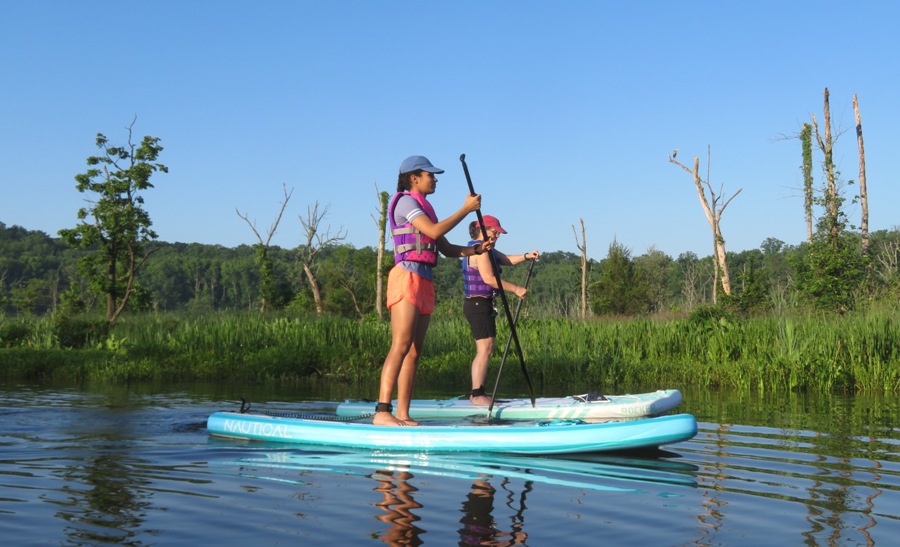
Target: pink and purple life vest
pixel 473 283
pixel 409 242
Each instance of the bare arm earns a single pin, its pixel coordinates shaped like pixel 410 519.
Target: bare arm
pixel 449 249
pixel 512 260
pixel 486 269
pixel 437 230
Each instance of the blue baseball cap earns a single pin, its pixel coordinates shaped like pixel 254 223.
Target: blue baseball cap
pixel 415 163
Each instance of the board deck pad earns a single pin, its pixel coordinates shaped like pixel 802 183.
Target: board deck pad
pixel 588 406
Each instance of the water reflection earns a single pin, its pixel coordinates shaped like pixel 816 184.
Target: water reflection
pixel 131 468
pixel 84 460
pixel 493 481
pixel 102 502
pixel 478 524
pixel 397 503
pixel 611 473
pixel 841 485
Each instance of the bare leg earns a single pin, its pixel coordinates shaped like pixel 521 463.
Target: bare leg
pixel 483 349
pixel 407 379
pixel 404 320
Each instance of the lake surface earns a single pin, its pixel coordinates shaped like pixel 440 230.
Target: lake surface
pixel 135 466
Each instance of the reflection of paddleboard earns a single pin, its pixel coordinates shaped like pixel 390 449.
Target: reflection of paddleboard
pixel 594 475
pixel 556 437
pixel 575 407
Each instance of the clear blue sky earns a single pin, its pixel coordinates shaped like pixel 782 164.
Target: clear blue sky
pixel 565 110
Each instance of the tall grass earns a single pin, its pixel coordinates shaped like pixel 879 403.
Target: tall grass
pixel 859 352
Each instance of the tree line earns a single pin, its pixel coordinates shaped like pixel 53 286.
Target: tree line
pixel 40 275
pixel 111 260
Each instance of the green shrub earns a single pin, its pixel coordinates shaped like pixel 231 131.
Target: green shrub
pixel 79 332
pixel 14 334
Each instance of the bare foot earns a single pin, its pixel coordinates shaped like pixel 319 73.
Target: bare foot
pixel 386 418
pixel 480 400
pixel 408 421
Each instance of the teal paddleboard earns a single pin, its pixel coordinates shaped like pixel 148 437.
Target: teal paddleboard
pixel 554 437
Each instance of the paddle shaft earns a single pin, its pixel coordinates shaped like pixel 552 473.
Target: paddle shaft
pixel 509 318
pixel 508 340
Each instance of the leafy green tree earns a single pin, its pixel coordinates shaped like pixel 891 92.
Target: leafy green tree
pixel 348 276
pixel 834 265
pixel 693 275
pixel 831 272
pixel 72 301
pixel 115 227
pixel 27 257
pixel 775 265
pixel 3 298
pixel 655 268
pixel 755 289
pixel 831 269
pixel 31 297
pixel 751 288
pixel 448 284
pixel 552 290
pixel 240 280
pixel 621 289
pixel 165 277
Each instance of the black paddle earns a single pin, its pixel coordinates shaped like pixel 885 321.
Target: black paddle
pixel 509 319
pixel 508 340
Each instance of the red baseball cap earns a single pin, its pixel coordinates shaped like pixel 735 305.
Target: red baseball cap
pixel 492 222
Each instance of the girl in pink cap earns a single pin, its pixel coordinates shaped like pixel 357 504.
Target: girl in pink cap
pixel 481 286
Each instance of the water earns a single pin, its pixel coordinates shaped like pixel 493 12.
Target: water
pixel 135 466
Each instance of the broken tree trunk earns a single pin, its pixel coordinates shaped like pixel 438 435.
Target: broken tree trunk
pixel 831 192
pixel 381 223
pixel 863 192
pixel 582 246
pixel 714 216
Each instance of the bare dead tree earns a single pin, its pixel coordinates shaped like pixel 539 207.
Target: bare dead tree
pixel 713 209
pixel 826 145
pixel 274 227
pixel 582 246
pixel 690 281
pixel 863 192
pixel 266 270
pixel 349 286
pixel 315 242
pixel 381 223
pixel 888 259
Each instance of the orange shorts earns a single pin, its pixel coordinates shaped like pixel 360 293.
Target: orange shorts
pixel 415 289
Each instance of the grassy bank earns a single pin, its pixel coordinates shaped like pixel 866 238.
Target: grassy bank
pixel 857 353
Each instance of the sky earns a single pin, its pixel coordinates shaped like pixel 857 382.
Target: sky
pixel 567 111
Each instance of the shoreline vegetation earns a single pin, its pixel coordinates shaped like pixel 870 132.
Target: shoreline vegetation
pixel 858 352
